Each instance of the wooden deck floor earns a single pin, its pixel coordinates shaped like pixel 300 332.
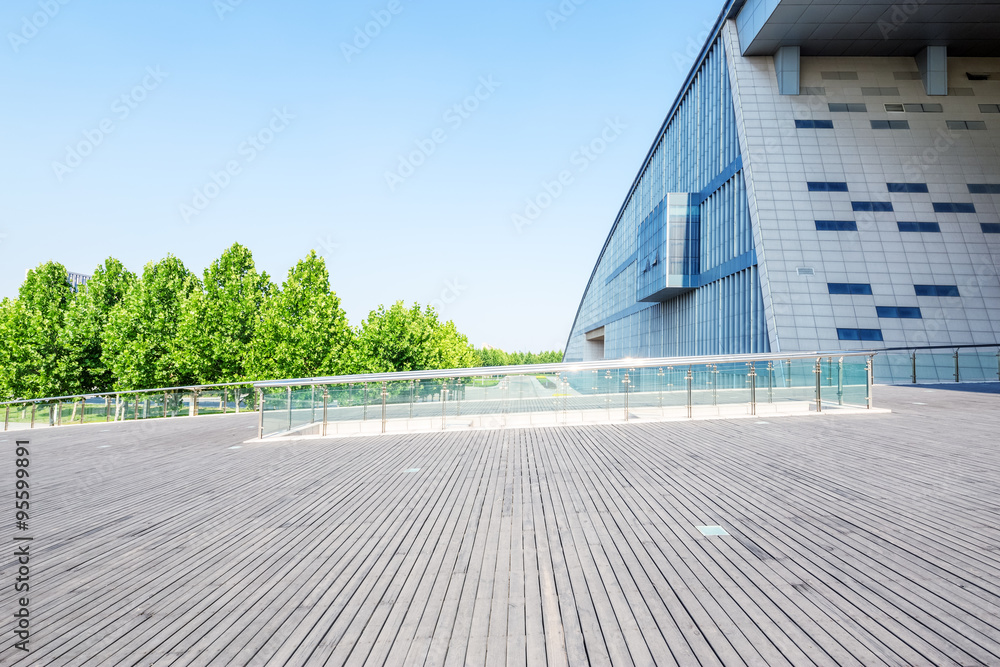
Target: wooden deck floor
pixel 853 540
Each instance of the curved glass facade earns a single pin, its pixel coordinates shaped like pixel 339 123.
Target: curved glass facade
pixel 790 169
pixel 678 274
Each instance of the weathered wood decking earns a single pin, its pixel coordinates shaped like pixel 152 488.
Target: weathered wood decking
pixel 853 540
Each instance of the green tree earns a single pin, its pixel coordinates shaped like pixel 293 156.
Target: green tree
pixel 82 366
pixel 488 357
pixel 303 330
pixel 30 328
pixel 219 324
pixel 140 338
pixel 408 339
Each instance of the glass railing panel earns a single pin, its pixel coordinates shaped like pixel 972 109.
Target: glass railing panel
pixel 794 381
pixel 398 400
pixel 852 388
pixel 210 402
pixel 302 406
pixel 275 406
pixel 977 365
pixel 894 367
pixel 935 366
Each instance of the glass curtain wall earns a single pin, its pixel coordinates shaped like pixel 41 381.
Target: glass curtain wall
pixel 695 156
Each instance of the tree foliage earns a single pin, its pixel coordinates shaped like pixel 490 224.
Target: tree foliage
pixel 303 331
pixel 490 356
pixel 168 328
pixel 140 342
pixel 82 366
pixel 30 327
pixel 408 339
pixel 219 322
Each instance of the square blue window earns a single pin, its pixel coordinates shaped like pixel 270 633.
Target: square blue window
pixel 949 207
pixel 849 288
pixel 918 226
pixel 836 226
pixel 814 124
pixel 936 290
pixel 907 187
pixel 873 206
pixel 990 227
pixel 815 186
pixel 984 188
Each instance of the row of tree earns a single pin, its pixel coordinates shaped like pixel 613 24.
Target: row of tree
pixel 169 328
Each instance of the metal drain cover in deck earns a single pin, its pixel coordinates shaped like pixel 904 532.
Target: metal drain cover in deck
pixel 712 530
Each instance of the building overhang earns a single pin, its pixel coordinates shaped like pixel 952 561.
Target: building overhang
pixel 666 294
pixel 885 28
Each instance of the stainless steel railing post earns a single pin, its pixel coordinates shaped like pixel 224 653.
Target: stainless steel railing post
pixel 819 384
pixel 444 402
pixel 260 413
pixel 753 389
pixel 913 367
pixel 383 406
pixel 956 366
pixel 840 381
pixel 869 376
pixel 659 400
pixel 770 382
pixel 326 400
pixel 690 378
pixel 626 383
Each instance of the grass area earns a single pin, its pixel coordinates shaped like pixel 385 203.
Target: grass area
pixel 483 382
pixel 545 381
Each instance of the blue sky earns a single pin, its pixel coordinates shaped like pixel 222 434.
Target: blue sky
pixel 137 129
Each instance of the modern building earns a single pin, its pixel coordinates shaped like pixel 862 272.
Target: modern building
pixel 77 280
pixel 828 178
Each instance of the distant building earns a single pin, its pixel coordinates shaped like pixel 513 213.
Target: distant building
pixel 77 280
pixel 828 178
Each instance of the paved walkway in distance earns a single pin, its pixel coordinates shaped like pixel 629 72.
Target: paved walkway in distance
pixel 868 539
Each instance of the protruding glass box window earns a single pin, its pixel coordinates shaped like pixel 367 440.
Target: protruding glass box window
pixel 668 249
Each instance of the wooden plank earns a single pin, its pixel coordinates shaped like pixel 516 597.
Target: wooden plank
pixel 854 540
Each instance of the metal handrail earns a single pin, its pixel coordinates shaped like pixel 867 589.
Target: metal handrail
pixel 529 369
pixel 909 348
pixel 49 399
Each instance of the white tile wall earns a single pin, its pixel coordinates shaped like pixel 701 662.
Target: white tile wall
pixel 779 159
